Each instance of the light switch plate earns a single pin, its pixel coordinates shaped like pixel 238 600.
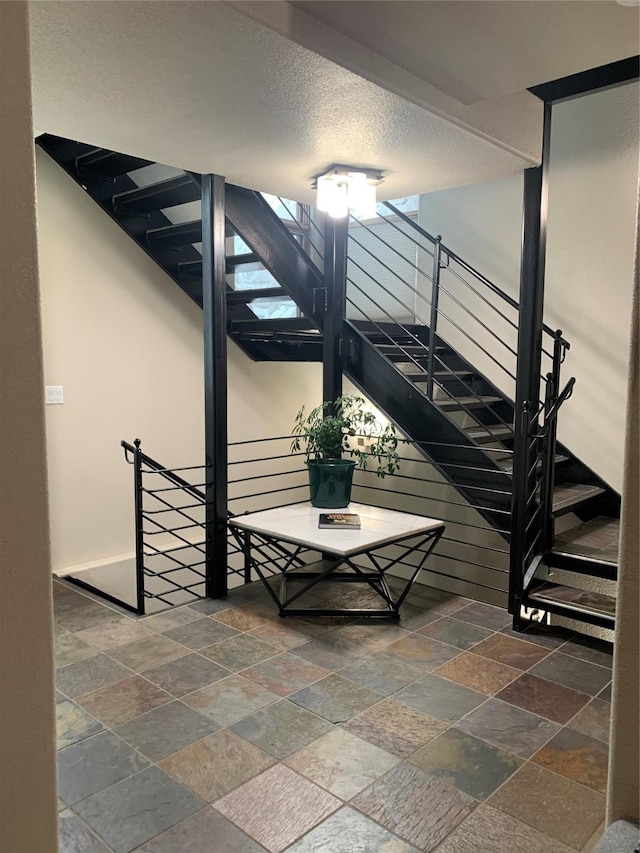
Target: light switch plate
pixel 53 395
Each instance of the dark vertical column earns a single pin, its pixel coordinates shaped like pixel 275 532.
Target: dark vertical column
pixel 335 277
pixel 532 270
pixel 139 515
pixel 214 303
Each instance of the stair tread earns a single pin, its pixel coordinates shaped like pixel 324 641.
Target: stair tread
pixel 596 538
pixel 488 433
pixel 507 464
pixel 109 164
pixel 574 599
pixel 568 495
pixel 459 402
pixel 442 375
pixel 169 193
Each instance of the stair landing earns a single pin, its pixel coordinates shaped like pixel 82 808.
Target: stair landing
pixel 597 538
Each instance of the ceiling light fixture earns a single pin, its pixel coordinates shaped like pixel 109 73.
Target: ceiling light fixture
pixel 347 188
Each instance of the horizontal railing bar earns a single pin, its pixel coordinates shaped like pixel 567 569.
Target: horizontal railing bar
pixel 266 476
pixel 451 254
pixel 272 492
pixel 173 470
pixel 481 297
pixel 440 500
pixel 200 505
pixel 258 440
pixel 421 246
pixel 476 545
pixel 171 529
pixel 160 551
pixel 450 465
pixel 171 489
pixel 382 240
pixel 444 290
pixel 264 458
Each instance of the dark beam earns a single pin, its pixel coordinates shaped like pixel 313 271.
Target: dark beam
pixel 532 270
pixel 602 77
pixel 214 299
pixel 335 282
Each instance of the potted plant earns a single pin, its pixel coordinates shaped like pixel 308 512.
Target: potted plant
pixel 337 428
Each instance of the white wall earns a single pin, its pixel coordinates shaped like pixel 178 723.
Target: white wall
pixel 126 344
pixel 593 176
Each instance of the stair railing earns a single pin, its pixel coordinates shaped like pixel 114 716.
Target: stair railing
pixel 532 526
pixel 169 559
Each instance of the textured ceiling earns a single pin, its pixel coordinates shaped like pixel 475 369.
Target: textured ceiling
pixel 447 44
pixel 197 85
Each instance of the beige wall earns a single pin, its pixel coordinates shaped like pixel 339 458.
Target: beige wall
pixel 594 172
pixel 126 345
pixel 27 754
pixel 623 800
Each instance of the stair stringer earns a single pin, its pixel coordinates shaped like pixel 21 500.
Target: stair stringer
pixel 460 461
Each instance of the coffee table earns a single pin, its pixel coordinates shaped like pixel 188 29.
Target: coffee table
pixel 277 537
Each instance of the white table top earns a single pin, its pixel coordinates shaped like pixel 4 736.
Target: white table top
pixel 299 524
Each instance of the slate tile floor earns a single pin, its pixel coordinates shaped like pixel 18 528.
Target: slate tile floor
pixel 220 728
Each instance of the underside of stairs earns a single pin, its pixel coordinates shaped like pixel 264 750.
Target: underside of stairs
pixel 464 423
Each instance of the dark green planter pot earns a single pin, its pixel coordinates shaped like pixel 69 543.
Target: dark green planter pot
pixel 330 482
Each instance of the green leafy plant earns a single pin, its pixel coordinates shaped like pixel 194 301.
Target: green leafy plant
pixel 333 429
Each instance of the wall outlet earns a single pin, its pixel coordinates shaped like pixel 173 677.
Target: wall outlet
pixel 53 395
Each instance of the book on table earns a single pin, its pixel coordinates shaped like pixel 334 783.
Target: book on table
pixel 339 520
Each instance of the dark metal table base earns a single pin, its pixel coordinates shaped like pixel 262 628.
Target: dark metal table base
pixel 293 568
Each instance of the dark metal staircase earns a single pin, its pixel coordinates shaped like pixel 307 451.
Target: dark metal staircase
pixel 463 421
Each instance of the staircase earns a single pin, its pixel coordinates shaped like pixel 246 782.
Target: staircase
pixel 442 373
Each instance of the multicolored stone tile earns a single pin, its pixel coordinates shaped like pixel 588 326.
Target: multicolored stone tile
pixel 571 672
pixel 262 807
pixel 395 728
pixel 68 648
pixel 131 812
pixel 514 653
pixel 123 700
pixel 561 809
pixel 76 614
pixel 382 674
pixel 347 831
pixel 216 765
pixel 186 674
pixel 594 720
pixel 89 674
pixel 335 698
pixel 549 638
pixel 284 674
pixel 487 830
pixel 478 673
pixel 454 632
pixel 420 809
pixel 201 633
pixel 245 616
pixel 543 697
pixel 230 700
pixel 148 652
pixel 195 834
pixel 173 618
pixel 165 730
pixel 508 727
pixel 115 632
pixel 439 698
pixel 240 652
pixel 469 764
pixel 282 728
pixel 372 635
pixel 421 652
pixel 74 835
pixel 331 651
pixel 485 615
pixel 287 633
pixel 576 756
pixel 73 723
pixel 95 763
pixel 342 763
pixel 590 649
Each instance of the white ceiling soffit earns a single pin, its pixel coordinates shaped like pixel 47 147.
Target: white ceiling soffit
pixel 474 51
pixel 199 86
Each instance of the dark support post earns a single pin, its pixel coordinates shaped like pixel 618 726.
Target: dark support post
pixel 137 490
pixel 532 269
pixel 433 322
pixel 335 278
pixel 214 305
